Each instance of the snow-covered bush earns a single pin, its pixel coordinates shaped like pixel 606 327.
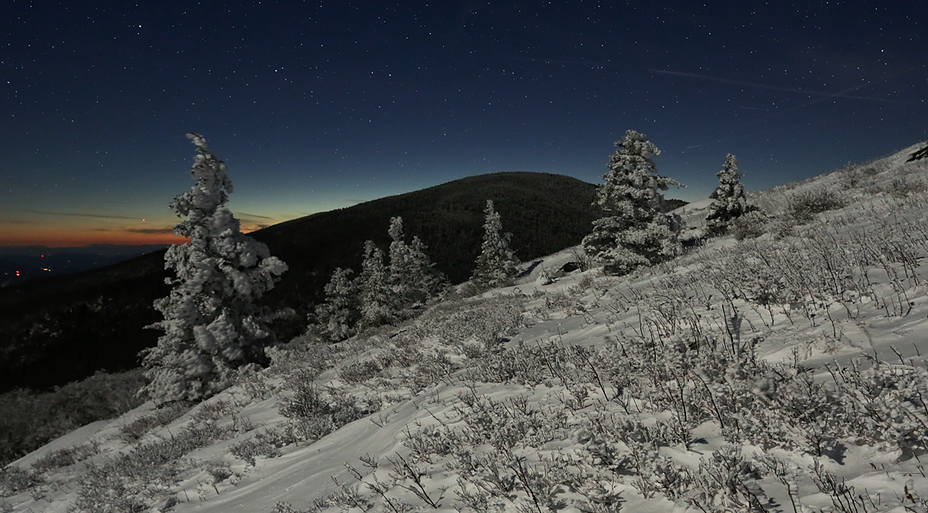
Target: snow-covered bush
pixel 726 481
pixel 316 412
pixel 905 186
pixel 487 323
pixel 805 205
pixel 139 427
pixel 497 264
pixel 634 232
pixel 29 420
pixel 211 323
pixel 728 199
pixel 265 443
pixel 748 226
pixel 14 480
pixel 129 481
pixel 65 457
pixel 857 177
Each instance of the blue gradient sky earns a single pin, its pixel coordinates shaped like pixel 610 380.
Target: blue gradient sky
pixel 320 105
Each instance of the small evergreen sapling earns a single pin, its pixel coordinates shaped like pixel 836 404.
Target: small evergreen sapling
pixel 634 232
pixel 211 324
pixel 497 264
pixel 337 318
pixel 373 288
pixel 728 200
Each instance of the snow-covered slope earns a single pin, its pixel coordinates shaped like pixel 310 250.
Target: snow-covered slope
pixel 770 374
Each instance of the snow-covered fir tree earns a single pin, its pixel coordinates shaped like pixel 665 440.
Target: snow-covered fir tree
pixel 728 199
pixel 634 231
pixel 413 278
pixel 376 307
pixel 429 281
pixel 211 322
pixel 497 264
pixel 337 318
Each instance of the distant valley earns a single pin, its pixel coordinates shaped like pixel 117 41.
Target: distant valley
pixel 19 264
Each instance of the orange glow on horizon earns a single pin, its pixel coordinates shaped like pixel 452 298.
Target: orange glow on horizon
pixel 57 238
pixel 69 233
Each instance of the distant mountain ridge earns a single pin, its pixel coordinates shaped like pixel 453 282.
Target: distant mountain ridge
pixel 19 264
pixel 60 329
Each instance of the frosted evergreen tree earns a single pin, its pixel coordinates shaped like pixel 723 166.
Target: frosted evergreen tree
pixel 413 278
pixel 634 231
pixel 337 318
pixel 211 323
pixel 376 305
pixel 428 282
pixel 728 199
pixel 497 264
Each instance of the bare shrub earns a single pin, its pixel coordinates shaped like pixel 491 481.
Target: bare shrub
pixel 136 429
pixel 905 186
pixel 14 480
pixel 65 457
pixel 748 226
pixel 254 383
pixel 856 177
pixel 318 412
pixel 488 323
pixel 805 205
pixel 103 490
pixel 359 372
pixel 266 443
pixel 29 420
pixel 581 258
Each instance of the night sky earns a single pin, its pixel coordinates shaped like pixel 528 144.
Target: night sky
pixel 320 105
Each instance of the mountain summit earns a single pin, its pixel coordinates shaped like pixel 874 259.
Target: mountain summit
pixel 60 329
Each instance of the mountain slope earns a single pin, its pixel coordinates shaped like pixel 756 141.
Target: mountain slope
pixel 784 373
pixel 544 212
pixel 56 330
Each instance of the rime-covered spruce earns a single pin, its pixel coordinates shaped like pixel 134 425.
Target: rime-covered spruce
pixel 497 264
pixel 211 322
pixel 728 199
pixel 634 231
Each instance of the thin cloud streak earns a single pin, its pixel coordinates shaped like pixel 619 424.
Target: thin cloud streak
pixel 151 231
pixel 77 214
pixel 16 221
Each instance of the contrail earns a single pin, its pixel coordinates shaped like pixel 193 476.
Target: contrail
pixel 254 216
pixel 842 94
pixel 823 97
pixel 587 64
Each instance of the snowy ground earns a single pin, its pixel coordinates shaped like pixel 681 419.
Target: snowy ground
pixel 767 375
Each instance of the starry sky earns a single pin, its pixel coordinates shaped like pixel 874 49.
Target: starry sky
pixel 318 105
